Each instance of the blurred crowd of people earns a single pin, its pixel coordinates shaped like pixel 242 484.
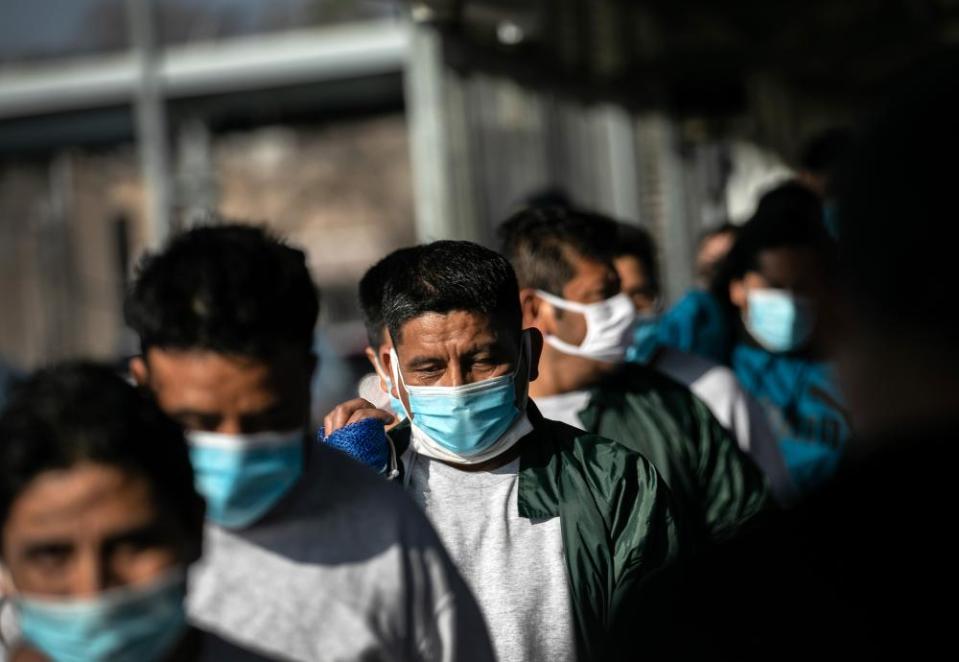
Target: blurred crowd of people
pixel 545 462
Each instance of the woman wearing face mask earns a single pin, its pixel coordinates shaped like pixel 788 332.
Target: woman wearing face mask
pixel 776 282
pixel 100 523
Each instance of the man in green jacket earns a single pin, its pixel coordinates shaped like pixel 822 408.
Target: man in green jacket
pixel 566 538
pixel 570 292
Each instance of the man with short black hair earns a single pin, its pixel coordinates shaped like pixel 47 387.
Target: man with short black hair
pixel 776 283
pixel 99 522
pixel 564 536
pixel 570 292
pixel 309 555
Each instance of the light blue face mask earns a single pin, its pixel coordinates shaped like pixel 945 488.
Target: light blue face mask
pixel 778 320
pixel 645 339
pixel 466 420
pixel 396 405
pixel 130 624
pixel 243 476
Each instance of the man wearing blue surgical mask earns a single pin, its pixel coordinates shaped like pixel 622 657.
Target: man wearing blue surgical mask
pixel 99 522
pixel 570 292
pixel 713 383
pixel 775 281
pixel 562 535
pixel 309 555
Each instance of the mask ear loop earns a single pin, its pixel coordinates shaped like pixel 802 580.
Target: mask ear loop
pixel 381 373
pixel 572 307
pixel 398 380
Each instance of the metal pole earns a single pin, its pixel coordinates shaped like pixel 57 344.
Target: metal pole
pixel 152 135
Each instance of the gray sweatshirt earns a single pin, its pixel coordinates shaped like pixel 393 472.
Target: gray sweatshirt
pixel 346 567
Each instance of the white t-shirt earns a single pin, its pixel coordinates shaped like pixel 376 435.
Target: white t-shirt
pixel 737 411
pixel 564 407
pixel 514 565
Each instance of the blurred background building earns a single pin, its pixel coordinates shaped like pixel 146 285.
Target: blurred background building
pixel 358 126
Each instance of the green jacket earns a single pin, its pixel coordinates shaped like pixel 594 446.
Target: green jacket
pixel 620 538
pixel 716 487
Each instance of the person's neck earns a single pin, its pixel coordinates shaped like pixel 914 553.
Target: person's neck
pixel 564 373
pixel 490 465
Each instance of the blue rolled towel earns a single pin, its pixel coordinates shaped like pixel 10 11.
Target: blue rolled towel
pixel 365 441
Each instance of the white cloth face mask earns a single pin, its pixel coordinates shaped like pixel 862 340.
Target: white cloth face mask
pixel 609 327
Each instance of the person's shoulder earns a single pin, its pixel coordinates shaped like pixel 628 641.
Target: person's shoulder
pixel 339 498
pixel 337 479
pixel 573 449
pixel 695 299
pixel 638 381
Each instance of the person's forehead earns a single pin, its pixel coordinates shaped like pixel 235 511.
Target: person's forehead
pixel 788 261
pixel 588 275
pixel 87 500
pixel 457 328
pixel 209 380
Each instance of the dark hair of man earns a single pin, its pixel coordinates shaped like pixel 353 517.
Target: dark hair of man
pixel 371 289
pixel 897 206
pixel 83 412
pixel 542 243
pixel 784 219
pixel 232 289
pixel 790 200
pixel 636 242
pixel 447 276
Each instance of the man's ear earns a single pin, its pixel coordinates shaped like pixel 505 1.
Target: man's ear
pixel 377 368
pixel 139 371
pixel 6 584
pixel 532 307
pixel 387 362
pixel 535 351
pixel 737 293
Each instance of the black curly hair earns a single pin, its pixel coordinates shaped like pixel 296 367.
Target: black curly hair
pixel 232 288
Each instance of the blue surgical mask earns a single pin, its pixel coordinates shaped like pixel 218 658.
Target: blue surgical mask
pixel 396 405
pixel 129 624
pixel 243 476
pixel 778 320
pixel 465 422
pixel 645 339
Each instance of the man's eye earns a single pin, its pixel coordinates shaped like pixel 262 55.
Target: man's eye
pixel 198 422
pixel 50 557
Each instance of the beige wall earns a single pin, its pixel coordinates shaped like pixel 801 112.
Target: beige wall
pixel 342 191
